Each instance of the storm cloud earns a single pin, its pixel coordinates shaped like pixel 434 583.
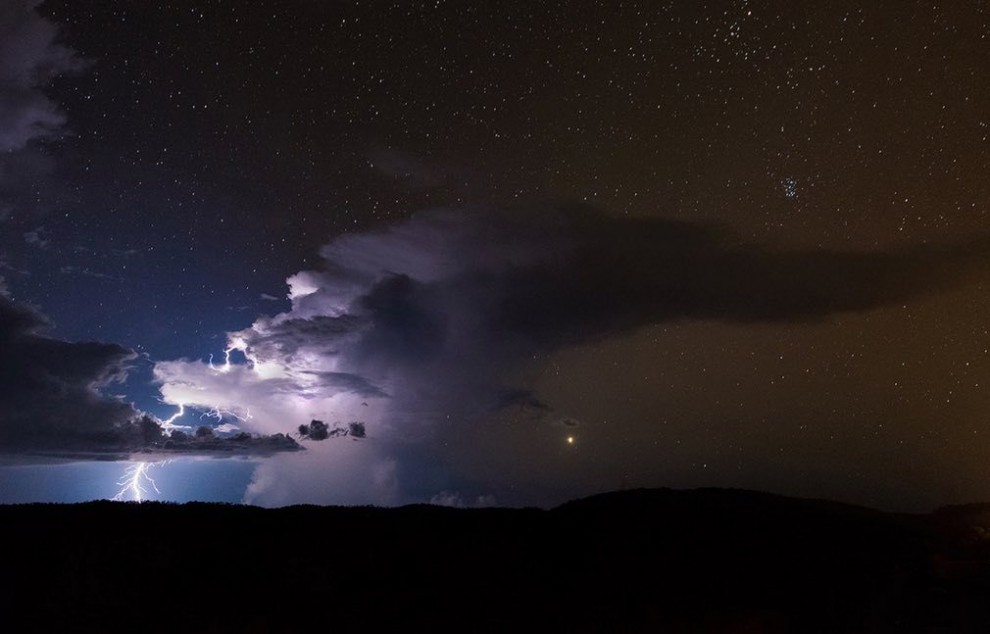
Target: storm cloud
pixel 50 390
pixel 430 317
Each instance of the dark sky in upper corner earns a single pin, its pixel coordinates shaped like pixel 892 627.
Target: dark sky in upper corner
pixel 566 247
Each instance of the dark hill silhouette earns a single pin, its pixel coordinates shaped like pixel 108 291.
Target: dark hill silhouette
pixel 707 560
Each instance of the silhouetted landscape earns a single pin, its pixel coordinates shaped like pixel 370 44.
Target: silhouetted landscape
pixel 705 560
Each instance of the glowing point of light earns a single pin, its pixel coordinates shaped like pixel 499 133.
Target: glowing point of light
pixel 135 482
pixel 570 440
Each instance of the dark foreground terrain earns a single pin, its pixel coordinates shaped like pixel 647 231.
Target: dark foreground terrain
pixel 707 560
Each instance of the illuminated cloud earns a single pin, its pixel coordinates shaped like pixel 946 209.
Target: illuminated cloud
pixel 258 402
pixel 337 473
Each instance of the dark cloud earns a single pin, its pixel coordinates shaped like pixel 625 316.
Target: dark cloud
pixel 36 237
pixel 18 320
pixel 524 399
pixel 406 322
pixel 29 58
pixel 49 389
pixel 318 430
pixel 409 169
pixel 576 274
pixel 620 274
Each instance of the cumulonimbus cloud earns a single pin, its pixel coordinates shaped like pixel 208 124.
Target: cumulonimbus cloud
pixel 423 322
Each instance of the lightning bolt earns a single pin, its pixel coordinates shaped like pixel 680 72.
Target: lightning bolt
pixel 169 423
pixel 135 482
pixel 171 419
pixel 226 356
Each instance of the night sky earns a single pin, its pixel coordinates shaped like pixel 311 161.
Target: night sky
pixel 540 250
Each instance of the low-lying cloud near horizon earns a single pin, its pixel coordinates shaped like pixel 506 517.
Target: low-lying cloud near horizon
pixel 418 327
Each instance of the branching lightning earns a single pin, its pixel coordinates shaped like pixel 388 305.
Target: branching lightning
pixel 219 413
pixel 226 356
pixel 135 482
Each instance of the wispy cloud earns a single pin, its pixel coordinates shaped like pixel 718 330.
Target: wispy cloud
pixel 30 57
